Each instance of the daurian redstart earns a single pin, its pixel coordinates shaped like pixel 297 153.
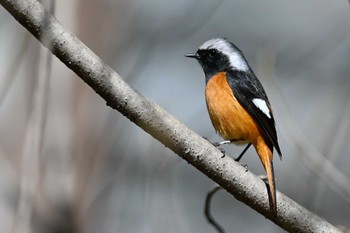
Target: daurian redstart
pixel 238 105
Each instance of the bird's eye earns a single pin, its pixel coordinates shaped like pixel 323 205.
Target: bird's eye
pixel 212 52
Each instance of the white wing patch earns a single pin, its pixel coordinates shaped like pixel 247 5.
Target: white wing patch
pixel 261 104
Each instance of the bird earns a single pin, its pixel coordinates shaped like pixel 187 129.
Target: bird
pixel 238 106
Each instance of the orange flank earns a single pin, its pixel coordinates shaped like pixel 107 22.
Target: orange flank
pixel 232 121
pixel 227 115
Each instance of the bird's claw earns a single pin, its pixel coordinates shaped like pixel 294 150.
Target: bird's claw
pixel 263 177
pixel 217 144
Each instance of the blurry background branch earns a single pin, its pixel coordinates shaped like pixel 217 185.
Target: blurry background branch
pixel 152 119
pixel 32 151
pixel 313 158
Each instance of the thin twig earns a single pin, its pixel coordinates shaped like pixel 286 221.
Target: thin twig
pixel 207 210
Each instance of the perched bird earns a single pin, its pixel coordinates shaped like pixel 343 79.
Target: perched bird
pixel 238 105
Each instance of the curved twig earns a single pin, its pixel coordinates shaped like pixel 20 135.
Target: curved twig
pixel 207 210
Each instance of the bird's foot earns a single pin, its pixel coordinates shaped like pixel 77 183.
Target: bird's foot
pixel 217 145
pixel 264 178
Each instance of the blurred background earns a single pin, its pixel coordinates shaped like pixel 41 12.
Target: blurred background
pixel 69 163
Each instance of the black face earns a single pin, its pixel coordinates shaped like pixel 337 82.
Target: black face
pixel 212 61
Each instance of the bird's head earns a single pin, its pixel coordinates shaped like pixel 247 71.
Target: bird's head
pixel 217 55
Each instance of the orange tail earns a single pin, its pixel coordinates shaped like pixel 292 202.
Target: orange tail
pixel 272 187
pixel 265 154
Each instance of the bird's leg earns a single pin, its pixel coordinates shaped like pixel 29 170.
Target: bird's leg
pixel 243 152
pixel 216 144
pixel 241 155
pixel 263 177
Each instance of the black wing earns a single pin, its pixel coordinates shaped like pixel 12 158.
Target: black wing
pixel 246 87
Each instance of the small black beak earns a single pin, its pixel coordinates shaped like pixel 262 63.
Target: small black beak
pixel 192 55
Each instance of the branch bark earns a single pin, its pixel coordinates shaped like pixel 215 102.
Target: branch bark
pixel 242 184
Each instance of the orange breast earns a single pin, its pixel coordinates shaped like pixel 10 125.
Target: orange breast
pixel 228 117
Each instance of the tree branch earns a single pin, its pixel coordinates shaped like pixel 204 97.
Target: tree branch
pixel 242 184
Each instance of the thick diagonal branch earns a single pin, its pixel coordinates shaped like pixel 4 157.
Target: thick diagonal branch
pixel 242 184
